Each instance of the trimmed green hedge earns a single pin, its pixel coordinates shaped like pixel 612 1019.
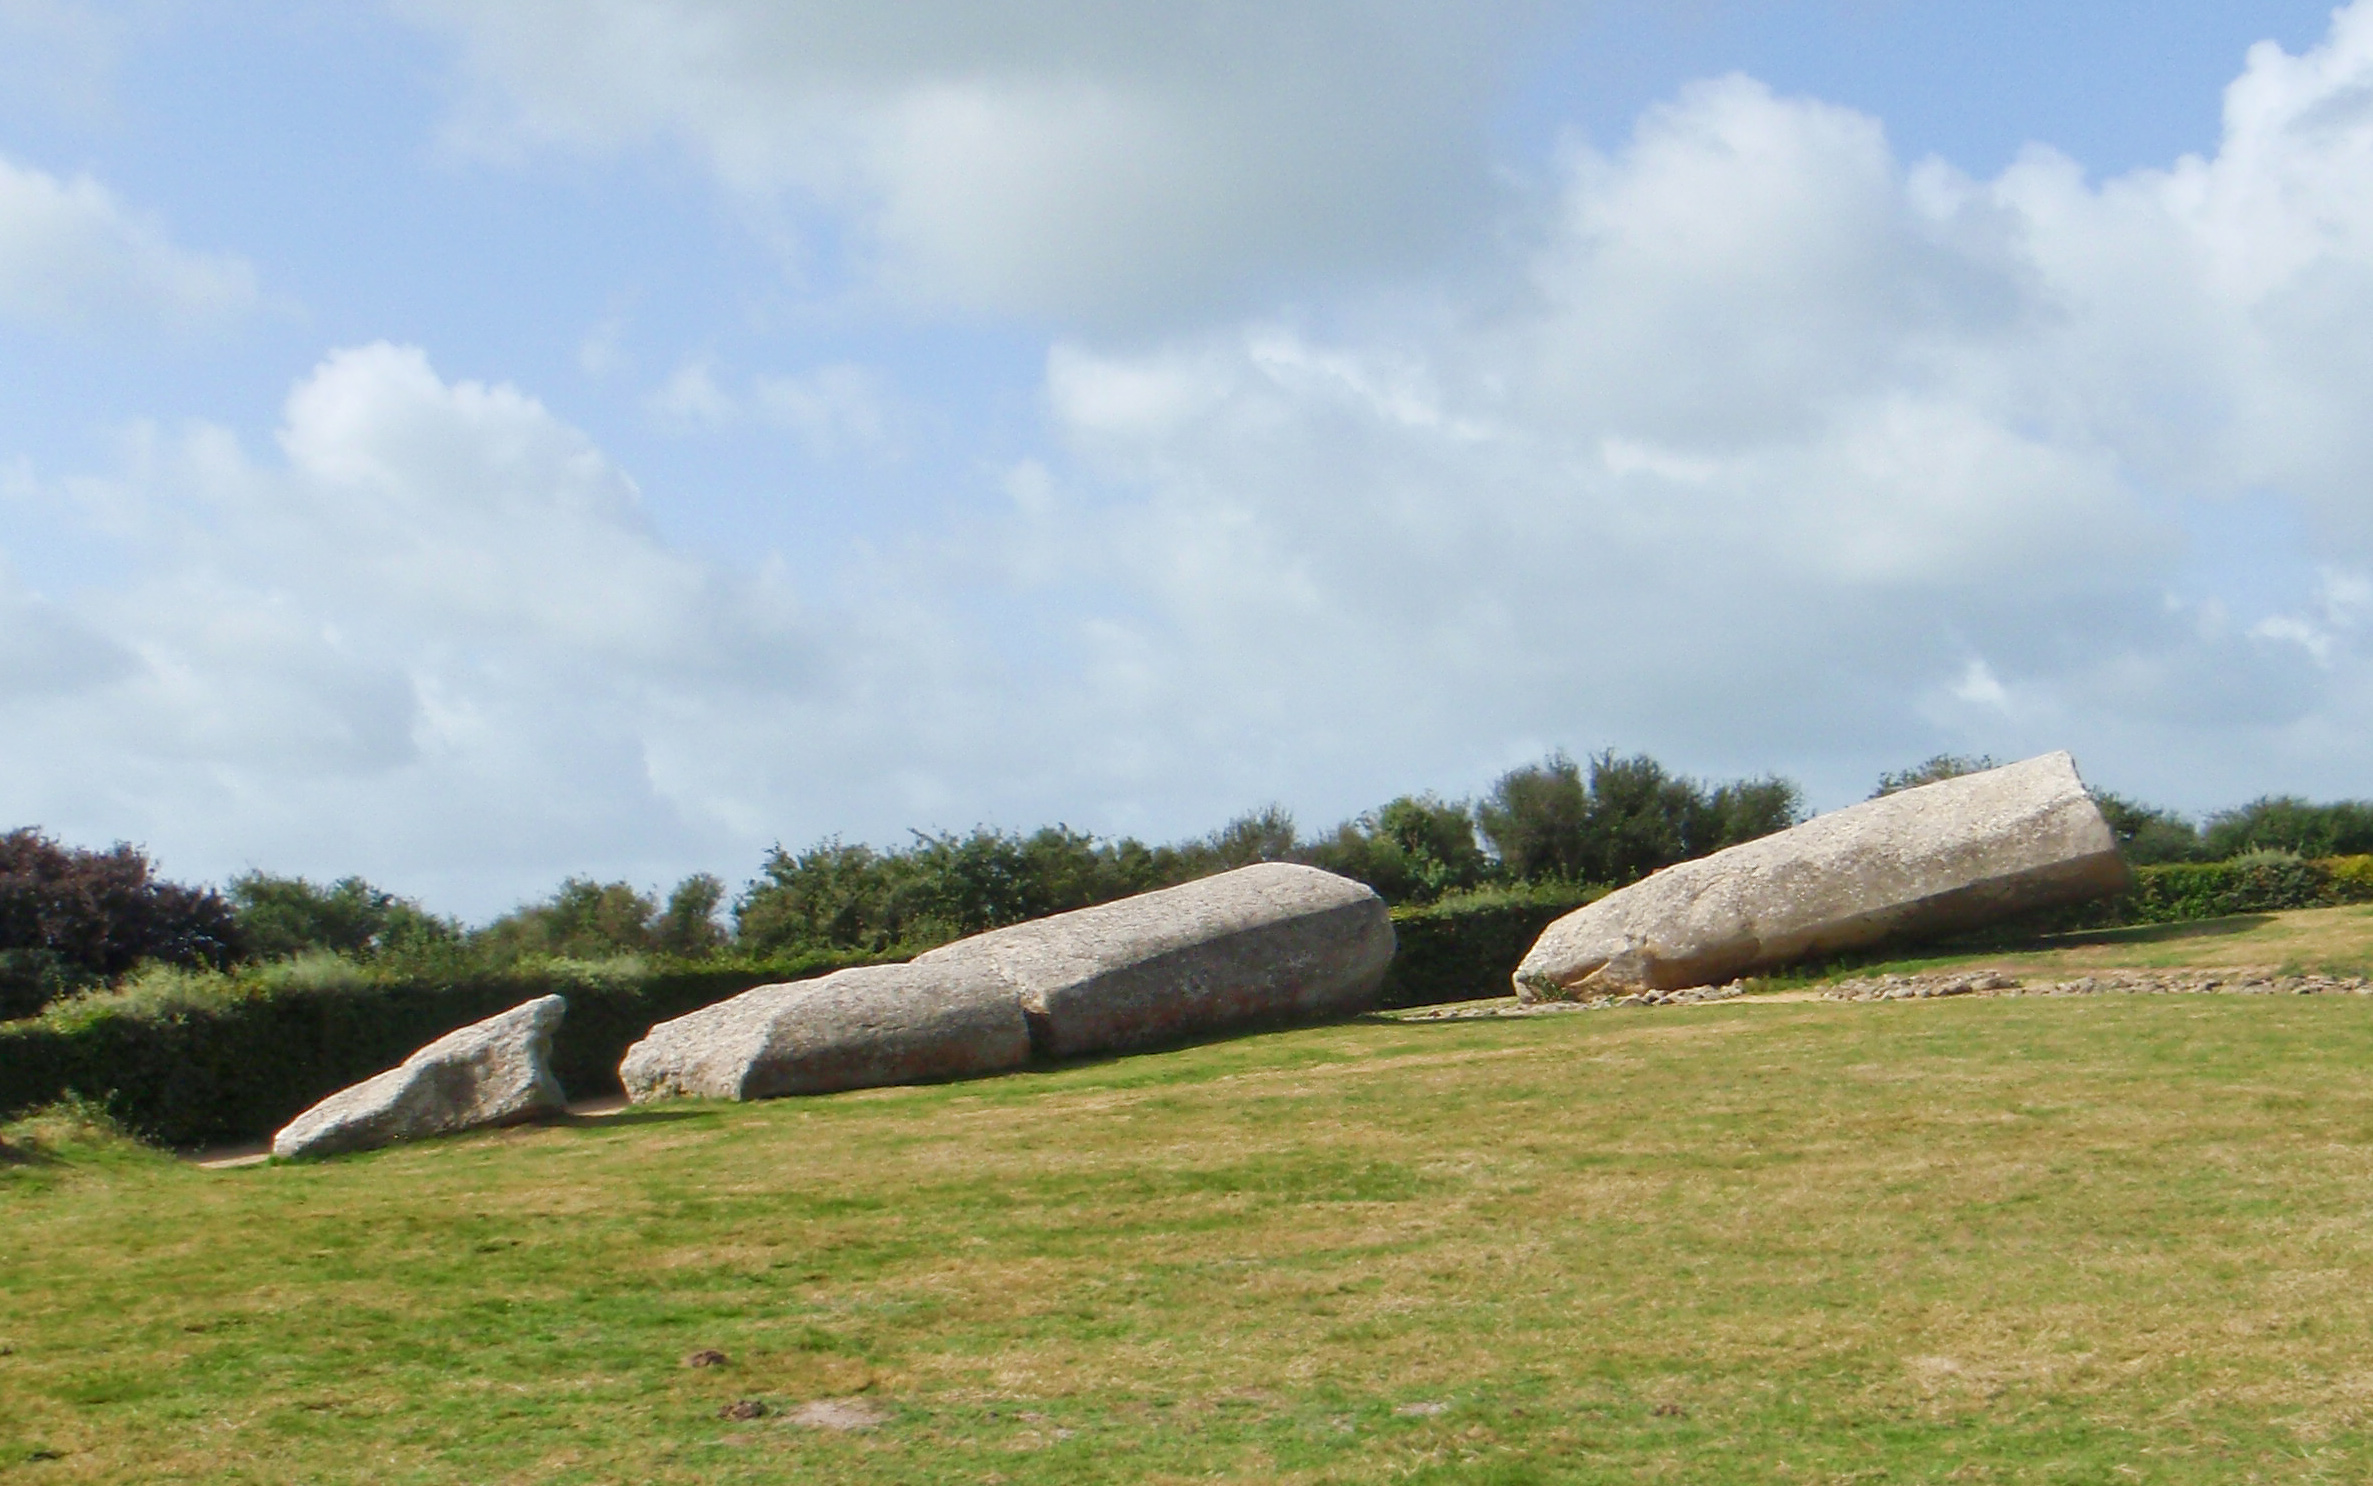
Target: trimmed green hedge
pixel 240 1069
pixel 1465 948
pixel 2181 892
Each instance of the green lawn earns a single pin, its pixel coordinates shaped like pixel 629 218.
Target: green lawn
pixel 2087 1240
pixel 2337 941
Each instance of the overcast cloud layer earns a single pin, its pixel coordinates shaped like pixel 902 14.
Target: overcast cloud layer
pixel 1365 462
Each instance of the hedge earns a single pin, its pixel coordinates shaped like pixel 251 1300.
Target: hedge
pixel 2261 883
pixel 1465 948
pixel 240 1069
pixel 2182 892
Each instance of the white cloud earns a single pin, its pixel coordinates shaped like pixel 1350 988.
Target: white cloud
pixel 2338 607
pixel 691 397
pixel 1777 431
pixel 1046 158
pixel 72 255
pixel 1764 449
pixel 831 409
pixel 435 640
pixel 45 651
pixel 1979 687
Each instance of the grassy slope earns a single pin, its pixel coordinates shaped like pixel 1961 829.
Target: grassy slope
pixel 2085 1240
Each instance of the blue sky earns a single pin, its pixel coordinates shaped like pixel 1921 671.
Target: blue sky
pixel 473 443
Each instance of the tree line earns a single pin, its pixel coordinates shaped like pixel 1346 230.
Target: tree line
pixel 74 918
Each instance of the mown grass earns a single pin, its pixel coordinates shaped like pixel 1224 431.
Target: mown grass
pixel 2088 1240
pixel 2331 941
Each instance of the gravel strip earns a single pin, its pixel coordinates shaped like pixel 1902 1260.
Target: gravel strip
pixel 1926 986
pixel 2107 983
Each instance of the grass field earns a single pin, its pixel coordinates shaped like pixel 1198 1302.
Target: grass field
pixel 2086 1240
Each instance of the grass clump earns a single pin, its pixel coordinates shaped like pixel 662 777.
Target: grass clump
pixel 69 1132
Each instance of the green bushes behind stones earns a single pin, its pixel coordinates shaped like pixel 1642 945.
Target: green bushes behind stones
pixel 839 896
pixel 203 1059
pixel 1551 822
pixel 2290 824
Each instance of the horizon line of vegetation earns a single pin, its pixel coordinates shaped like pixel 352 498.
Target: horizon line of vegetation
pixel 75 921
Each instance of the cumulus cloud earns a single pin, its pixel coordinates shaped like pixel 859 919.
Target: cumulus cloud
pixel 1049 158
pixel 1779 450
pixel 71 254
pixel 436 638
pixel 2210 316
pixel 1761 448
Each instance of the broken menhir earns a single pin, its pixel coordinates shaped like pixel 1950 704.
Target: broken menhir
pixel 494 1072
pixel 1952 855
pixel 1262 944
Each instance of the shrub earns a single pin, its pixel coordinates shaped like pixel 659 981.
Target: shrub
pixel 2352 878
pixel 1263 835
pixel 583 919
pixel 1629 818
pixel 1537 819
pixel 1934 770
pixel 838 896
pixel 2147 835
pixel 687 926
pixel 2180 892
pixel 69 1128
pixel 69 916
pixel 283 916
pixel 1414 849
pixel 33 978
pixel 2263 882
pixel 2288 823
